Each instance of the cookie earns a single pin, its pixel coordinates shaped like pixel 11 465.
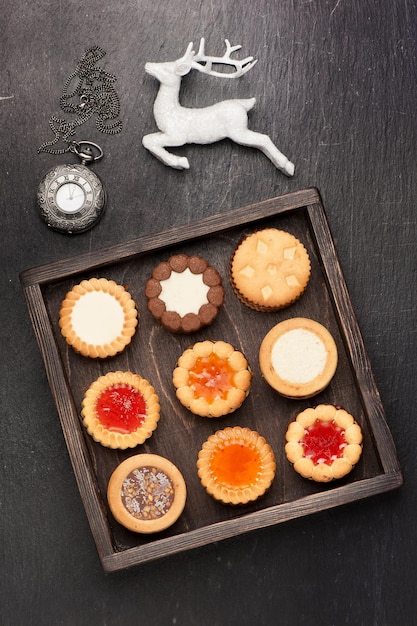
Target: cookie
pixel 120 410
pixel 212 378
pixel 236 465
pixel 146 493
pixel 98 318
pixel 323 443
pixel 184 293
pixel 298 357
pixel 269 270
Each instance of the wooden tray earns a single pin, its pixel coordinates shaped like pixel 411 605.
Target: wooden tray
pixel 154 352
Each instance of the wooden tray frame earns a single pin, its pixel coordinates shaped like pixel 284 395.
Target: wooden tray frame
pixel 33 283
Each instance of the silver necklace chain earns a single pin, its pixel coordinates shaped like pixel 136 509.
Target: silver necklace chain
pixel 89 91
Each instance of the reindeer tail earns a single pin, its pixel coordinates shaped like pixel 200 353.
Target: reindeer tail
pixel 248 104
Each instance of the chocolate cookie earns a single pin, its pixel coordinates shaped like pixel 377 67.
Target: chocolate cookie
pixel 184 293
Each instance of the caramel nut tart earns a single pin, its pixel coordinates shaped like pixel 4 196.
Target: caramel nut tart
pixel 323 443
pixel 298 358
pixel 184 293
pixel 98 318
pixel 269 270
pixel 236 465
pixel 212 378
pixel 146 493
pixel 120 410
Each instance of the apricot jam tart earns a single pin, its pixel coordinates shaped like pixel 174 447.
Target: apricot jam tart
pixel 236 465
pixel 212 378
pixel 323 443
pixel 120 410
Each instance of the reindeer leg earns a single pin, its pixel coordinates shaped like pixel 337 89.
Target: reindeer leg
pixel 156 143
pixel 246 137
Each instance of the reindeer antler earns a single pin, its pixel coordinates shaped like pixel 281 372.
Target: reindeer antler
pixel 241 65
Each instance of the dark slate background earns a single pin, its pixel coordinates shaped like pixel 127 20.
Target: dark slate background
pixel 336 89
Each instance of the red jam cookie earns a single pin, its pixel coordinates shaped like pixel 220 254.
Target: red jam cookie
pixel 212 378
pixel 323 443
pixel 120 410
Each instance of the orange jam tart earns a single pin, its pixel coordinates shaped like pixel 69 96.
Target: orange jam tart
pixel 323 443
pixel 212 378
pixel 146 493
pixel 236 465
pixel 120 410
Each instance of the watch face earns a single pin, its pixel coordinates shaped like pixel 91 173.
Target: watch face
pixel 71 198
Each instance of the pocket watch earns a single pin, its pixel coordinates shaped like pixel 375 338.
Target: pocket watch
pixel 71 197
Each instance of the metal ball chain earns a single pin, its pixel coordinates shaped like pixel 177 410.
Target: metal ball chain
pixel 89 91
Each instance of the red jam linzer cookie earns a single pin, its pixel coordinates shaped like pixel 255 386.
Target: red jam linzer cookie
pixel 146 493
pixel 236 465
pixel 269 270
pixel 323 443
pixel 120 410
pixel 212 378
pixel 98 318
pixel 184 293
pixel 298 358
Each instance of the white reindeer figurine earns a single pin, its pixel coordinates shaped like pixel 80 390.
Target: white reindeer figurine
pixel 228 119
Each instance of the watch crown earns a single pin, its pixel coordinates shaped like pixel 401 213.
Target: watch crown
pixel 86 155
pixel 87 151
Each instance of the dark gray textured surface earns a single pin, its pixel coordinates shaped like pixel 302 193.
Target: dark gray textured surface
pixel 336 89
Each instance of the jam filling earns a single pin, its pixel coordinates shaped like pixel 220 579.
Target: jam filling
pixel 147 493
pixel 121 408
pixel 323 442
pixel 211 378
pixel 235 465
